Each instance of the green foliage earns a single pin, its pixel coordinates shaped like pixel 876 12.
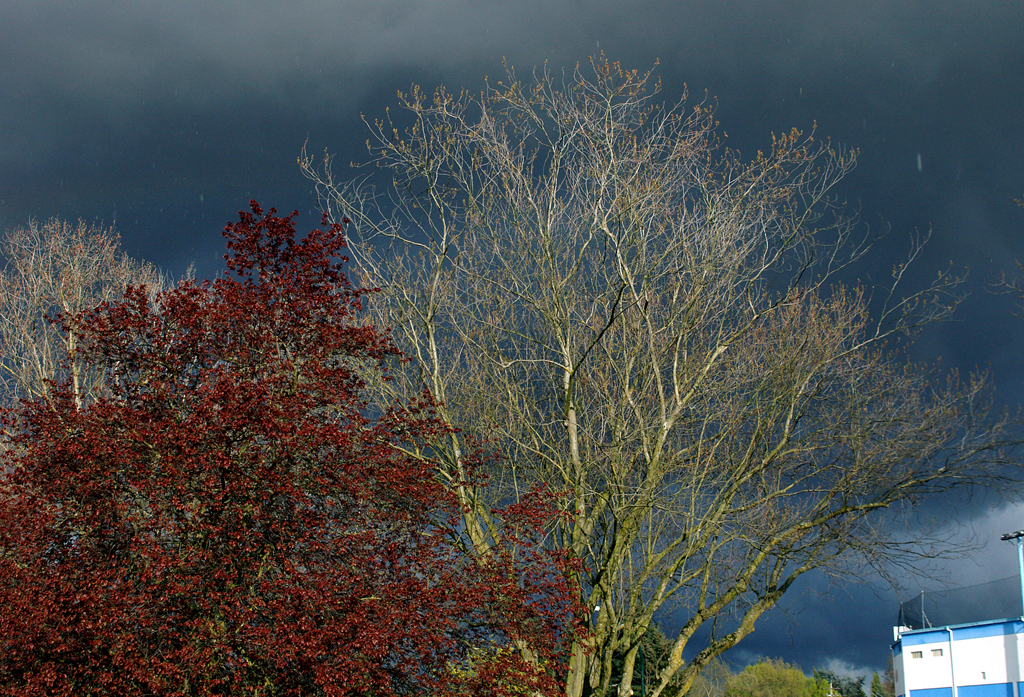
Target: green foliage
pixel 771 678
pixel 881 687
pixel 821 688
pixel 876 686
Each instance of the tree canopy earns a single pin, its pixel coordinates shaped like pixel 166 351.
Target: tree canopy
pixel 590 283
pixel 774 678
pixel 232 516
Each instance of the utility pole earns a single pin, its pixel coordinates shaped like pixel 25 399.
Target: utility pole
pixel 1020 561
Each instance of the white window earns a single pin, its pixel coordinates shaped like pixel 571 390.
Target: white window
pixel 936 652
pixel 917 654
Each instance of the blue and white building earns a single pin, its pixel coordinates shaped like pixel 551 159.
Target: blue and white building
pixel 977 659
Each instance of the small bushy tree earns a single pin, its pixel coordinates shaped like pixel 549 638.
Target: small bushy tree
pixel 771 678
pixel 54 270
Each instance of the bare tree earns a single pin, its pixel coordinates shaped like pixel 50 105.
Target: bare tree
pixel 54 271
pixel 712 680
pixel 593 286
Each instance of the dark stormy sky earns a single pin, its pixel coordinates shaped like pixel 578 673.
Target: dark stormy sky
pixel 166 118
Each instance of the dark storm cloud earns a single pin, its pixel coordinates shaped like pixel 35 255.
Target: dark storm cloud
pixel 81 70
pixel 121 53
pixel 75 70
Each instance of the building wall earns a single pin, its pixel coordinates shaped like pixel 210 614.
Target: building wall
pixel 985 658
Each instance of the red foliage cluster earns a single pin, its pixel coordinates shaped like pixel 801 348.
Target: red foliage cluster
pixel 233 519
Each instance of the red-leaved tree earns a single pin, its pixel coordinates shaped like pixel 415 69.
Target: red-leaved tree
pixel 233 519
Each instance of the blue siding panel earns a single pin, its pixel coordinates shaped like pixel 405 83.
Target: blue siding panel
pixel 932 636
pixel 990 690
pixel 984 630
pixel 933 692
pixel 971 631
